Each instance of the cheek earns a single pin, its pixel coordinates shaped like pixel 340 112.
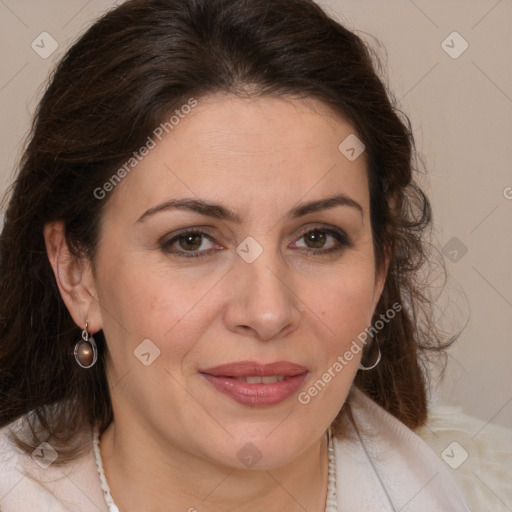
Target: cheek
pixel 144 301
pixel 344 302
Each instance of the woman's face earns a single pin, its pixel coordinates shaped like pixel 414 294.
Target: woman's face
pixel 266 274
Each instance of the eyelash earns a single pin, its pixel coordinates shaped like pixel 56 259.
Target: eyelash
pixel 339 236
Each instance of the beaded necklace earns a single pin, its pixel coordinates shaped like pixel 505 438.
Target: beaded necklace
pixel 331 504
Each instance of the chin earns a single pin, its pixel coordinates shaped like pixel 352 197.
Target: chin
pixel 259 451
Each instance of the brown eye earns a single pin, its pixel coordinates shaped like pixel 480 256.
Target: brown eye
pixel 189 244
pixel 315 239
pixel 318 241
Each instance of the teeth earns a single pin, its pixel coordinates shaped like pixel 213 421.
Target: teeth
pixel 269 379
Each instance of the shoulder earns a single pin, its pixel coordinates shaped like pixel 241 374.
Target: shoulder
pixel 383 465
pixel 34 482
pixel 478 454
pixel 11 472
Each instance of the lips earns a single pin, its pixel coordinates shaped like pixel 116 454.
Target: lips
pixel 254 384
pixel 249 368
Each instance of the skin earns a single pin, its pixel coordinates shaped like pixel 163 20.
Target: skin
pixel 173 444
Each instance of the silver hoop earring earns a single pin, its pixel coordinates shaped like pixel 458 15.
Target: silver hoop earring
pixel 365 368
pixel 86 351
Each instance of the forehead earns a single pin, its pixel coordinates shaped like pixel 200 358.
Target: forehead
pixel 265 150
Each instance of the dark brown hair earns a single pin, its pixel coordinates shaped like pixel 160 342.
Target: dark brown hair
pixel 134 66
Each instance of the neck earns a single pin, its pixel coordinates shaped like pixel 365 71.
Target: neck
pixel 142 477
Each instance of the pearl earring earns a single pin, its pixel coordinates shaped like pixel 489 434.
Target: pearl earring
pixel 86 351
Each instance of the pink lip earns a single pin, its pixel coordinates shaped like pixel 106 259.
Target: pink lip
pixel 245 368
pixel 222 378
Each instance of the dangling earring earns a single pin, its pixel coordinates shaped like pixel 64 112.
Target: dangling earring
pixel 361 367
pixel 329 435
pixel 86 351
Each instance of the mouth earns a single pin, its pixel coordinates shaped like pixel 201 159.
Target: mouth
pixel 255 384
pixel 244 369
pixel 255 379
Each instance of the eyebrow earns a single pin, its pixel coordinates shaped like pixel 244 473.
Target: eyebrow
pixel 217 211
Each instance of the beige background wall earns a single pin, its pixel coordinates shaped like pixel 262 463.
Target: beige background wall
pixel 461 109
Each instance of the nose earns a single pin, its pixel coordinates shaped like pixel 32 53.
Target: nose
pixel 262 302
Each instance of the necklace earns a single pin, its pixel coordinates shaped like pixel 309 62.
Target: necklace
pixel 331 504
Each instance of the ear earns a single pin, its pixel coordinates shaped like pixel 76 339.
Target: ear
pixel 381 275
pixel 74 277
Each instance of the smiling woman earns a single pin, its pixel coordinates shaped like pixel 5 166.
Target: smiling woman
pixel 237 320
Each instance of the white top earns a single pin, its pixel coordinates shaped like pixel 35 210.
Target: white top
pixel 381 466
